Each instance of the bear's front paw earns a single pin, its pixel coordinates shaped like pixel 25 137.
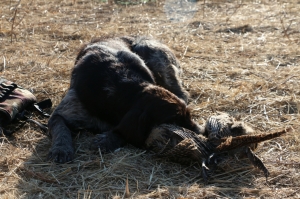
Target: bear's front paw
pixel 61 154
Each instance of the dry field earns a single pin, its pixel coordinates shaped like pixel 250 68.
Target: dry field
pixel 240 57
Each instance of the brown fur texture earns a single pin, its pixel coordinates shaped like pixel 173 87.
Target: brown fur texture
pixel 123 87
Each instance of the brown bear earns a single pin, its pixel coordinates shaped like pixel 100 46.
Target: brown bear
pixel 120 87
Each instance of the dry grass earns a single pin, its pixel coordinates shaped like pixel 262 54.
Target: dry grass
pixel 240 57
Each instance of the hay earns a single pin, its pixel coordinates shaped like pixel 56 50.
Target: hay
pixel 252 73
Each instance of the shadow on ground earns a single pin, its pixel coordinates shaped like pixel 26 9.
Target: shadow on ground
pixel 91 175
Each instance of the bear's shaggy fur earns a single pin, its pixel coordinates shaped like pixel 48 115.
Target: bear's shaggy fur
pixel 120 87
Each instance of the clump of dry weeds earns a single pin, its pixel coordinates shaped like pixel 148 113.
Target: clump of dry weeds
pixel 240 57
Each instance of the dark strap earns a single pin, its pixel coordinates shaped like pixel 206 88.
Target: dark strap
pixel 43 127
pixel 26 116
pixel 43 105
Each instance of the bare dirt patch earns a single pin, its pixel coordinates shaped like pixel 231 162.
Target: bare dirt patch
pixel 240 57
